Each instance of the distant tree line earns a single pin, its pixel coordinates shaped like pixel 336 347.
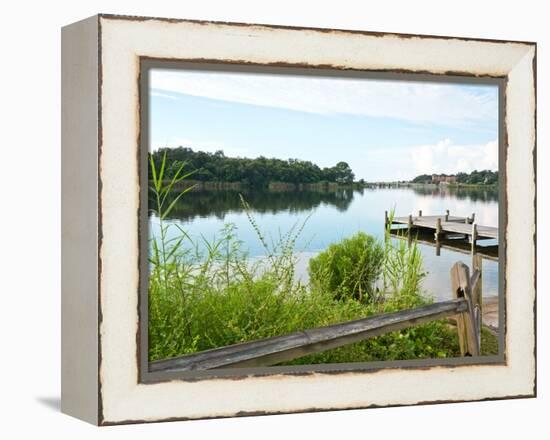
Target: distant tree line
pixel 423 178
pixel 258 172
pixel 484 177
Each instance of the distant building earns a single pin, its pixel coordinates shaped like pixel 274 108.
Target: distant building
pixel 443 178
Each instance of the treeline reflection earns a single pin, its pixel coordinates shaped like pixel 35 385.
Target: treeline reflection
pixel 474 194
pixel 219 203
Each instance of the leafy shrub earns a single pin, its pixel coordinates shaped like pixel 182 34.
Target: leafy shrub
pixel 350 268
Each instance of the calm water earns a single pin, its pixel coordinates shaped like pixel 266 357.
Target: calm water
pixel 338 214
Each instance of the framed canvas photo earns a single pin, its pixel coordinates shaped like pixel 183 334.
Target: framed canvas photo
pixel 264 219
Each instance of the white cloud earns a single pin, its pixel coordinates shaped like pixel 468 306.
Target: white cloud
pixel 410 101
pixel 164 95
pixel 442 157
pixel 449 158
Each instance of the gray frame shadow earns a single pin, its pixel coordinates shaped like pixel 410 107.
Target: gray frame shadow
pixel 146 64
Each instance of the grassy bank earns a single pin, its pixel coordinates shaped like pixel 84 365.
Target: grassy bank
pixel 209 294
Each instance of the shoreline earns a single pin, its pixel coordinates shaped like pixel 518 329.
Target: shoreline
pixel 455 185
pixel 199 185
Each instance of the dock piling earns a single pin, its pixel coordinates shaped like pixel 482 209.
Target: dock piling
pixel 437 229
pixel 474 238
pixel 447 215
pixel 438 237
pixel 477 292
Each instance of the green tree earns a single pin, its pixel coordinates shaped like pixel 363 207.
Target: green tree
pixel 423 178
pixel 258 172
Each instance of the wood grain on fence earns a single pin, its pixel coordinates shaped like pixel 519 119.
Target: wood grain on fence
pixel 468 322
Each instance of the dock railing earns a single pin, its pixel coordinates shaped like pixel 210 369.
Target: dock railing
pixel 465 307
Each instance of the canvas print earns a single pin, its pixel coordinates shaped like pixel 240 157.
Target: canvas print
pixel 301 219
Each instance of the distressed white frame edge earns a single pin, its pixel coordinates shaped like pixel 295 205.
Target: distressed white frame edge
pixel 79 220
pixel 122 41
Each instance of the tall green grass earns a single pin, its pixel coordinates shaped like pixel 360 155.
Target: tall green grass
pixel 207 293
pixel 403 266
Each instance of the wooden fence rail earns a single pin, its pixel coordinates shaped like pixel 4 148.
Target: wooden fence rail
pixel 271 351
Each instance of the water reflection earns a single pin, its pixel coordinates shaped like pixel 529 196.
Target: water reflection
pixel 473 194
pixel 220 203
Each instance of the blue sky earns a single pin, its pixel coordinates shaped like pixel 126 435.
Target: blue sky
pixel 385 130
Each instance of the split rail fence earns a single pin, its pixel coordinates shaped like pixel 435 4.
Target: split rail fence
pixel 465 307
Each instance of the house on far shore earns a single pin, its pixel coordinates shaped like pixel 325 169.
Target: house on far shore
pixel 443 178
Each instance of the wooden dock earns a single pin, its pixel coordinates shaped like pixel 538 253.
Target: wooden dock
pixel 447 224
pixel 458 234
pixel 426 237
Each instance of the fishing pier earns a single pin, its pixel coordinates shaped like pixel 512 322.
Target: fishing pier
pixel 461 234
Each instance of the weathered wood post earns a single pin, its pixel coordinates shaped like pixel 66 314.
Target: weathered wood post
pixel 420 213
pixel 438 237
pixel 438 248
pixel 447 215
pixel 474 238
pixel 477 292
pixel 473 218
pixel 386 220
pixel 460 325
pixel 467 322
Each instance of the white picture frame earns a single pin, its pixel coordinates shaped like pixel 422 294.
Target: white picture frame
pixel 102 359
